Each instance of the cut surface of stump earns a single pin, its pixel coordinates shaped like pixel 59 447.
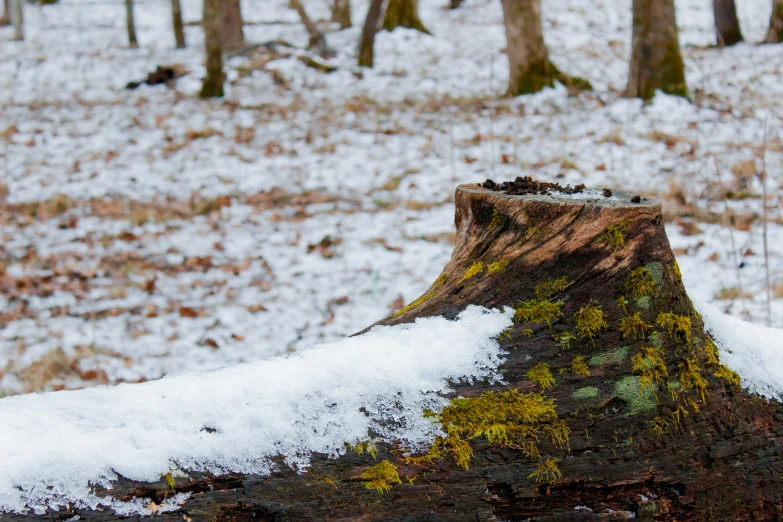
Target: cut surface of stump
pixel 656 428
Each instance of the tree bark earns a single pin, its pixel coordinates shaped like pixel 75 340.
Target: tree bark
pixel 317 38
pixel 775 33
pixel 656 62
pixel 341 13
pixel 212 85
pixel 727 28
pixel 179 28
pixel 5 19
pixel 403 13
pixel 455 4
pixel 530 69
pixel 685 445
pixel 371 27
pixel 133 43
pixel 232 35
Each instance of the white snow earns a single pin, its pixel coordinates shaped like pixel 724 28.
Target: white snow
pixel 755 352
pixel 56 444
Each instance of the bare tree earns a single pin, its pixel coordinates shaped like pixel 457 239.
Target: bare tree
pixel 16 15
pixel 5 19
pixel 530 69
pixel 317 38
pixel 341 13
pixel 176 18
pixel 233 38
pixel 656 62
pixel 372 25
pixel 727 26
pixel 403 13
pixel 455 4
pixel 212 86
pixel 775 34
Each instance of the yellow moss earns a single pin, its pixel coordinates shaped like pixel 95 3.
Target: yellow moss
pixel 414 304
pixel 690 376
pixel 727 375
pixel 547 471
pixel 579 366
pixel 475 268
pixel 381 477
pixel 674 272
pixel 677 326
pixel 651 366
pixel 590 320
pixel 640 283
pixel 659 426
pixel 633 326
pixel 498 266
pixel 329 481
pixel 678 412
pixel 615 235
pixel 441 280
pixel 551 288
pixel 539 311
pixel 564 339
pixel 169 478
pixel 497 219
pixel 622 302
pixel 541 375
pixel 527 332
pixel 365 446
pixel 505 418
pixel 711 351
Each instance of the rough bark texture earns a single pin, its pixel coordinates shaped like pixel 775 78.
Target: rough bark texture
pixel 372 25
pixel 232 36
pixel 530 69
pixel 775 33
pixel 341 13
pixel 132 41
pixel 403 13
pixel 176 20
pixel 317 38
pixel 634 452
pixel 656 62
pixel 727 27
pixel 212 85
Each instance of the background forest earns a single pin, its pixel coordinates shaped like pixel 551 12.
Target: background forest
pixel 210 220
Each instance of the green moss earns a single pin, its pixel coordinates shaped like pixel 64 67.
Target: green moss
pixel 586 393
pixel 615 356
pixel 655 269
pixel 547 471
pixel 638 399
pixel 365 446
pixel 505 418
pixel 497 219
pixel 539 311
pixel 590 320
pixel 564 339
pixel 475 268
pixel 659 426
pixel 541 375
pixel 579 366
pixel 690 376
pixel 640 283
pixel 650 364
pixel 615 235
pixel 381 477
pixel 550 289
pixel 633 326
pixel 727 375
pixel 677 326
pixel 497 267
pixel 414 304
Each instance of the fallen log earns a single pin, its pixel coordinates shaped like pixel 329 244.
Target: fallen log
pixel 656 427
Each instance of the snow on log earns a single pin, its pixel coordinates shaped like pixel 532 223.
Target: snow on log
pixel 596 394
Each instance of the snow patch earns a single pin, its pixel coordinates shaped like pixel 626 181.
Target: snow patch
pixel 58 445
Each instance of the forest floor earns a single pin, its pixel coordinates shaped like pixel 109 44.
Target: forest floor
pixel 148 232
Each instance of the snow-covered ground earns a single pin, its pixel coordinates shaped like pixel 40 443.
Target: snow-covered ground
pixel 148 232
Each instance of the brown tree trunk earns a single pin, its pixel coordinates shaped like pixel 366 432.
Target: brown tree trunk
pixel 403 13
pixel 727 28
pixel 455 4
pixel 132 41
pixel 656 62
pixel 317 38
pixel 604 327
pixel 530 69
pixel 341 13
pixel 775 33
pixel 5 18
pixel 232 35
pixel 372 25
pixel 212 85
pixel 179 28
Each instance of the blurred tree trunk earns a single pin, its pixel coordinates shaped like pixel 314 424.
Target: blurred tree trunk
pixel 403 13
pixel 455 3
pixel 5 19
pixel 656 62
pixel 179 29
pixel 371 27
pixel 775 34
pixel 233 38
pixel 341 13
pixel 132 42
pixel 212 86
pixel 17 19
pixel 317 38
pixel 530 69
pixel 727 26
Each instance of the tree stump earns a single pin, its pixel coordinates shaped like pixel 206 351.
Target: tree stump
pixel 659 429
